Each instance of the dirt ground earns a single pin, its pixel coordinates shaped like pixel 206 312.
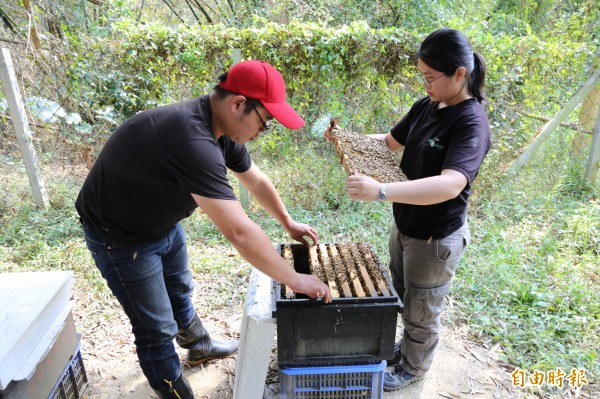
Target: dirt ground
pixel 462 368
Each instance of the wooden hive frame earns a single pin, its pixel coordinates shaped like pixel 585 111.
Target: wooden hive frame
pixel 351 270
pixel 365 155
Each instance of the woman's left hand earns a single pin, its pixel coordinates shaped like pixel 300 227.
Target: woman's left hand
pixel 363 188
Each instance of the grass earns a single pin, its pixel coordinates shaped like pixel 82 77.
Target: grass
pixel 531 283
pixel 529 280
pixel 531 276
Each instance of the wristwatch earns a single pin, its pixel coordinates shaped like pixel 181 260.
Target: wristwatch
pixel 382 193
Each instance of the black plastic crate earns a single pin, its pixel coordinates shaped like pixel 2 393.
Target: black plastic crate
pixel 349 330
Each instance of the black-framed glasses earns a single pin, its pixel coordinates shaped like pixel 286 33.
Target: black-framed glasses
pixel 427 82
pixel 266 125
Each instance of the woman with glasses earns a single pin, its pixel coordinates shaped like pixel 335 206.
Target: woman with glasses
pixel 445 137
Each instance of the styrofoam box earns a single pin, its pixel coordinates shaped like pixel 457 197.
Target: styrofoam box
pixel 35 311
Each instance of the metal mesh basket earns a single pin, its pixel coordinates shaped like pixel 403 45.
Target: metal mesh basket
pixel 73 381
pixel 333 382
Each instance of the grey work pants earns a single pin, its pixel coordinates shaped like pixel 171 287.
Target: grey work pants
pixel 421 272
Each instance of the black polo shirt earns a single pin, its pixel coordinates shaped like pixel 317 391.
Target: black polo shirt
pixel 455 137
pixel 140 186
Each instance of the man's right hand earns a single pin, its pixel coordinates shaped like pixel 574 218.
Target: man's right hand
pixel 311 285
pixel 254 246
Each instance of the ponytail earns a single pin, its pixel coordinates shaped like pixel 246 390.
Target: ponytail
pixel 477 78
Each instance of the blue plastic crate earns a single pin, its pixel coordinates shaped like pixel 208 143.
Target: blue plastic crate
pixel 363 381
pixel 73 381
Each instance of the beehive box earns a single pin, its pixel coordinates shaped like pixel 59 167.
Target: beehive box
pixel 358 326
pixel 367 156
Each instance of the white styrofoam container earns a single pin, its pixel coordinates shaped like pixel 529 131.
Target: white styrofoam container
pixel 32 305
pixel 41 372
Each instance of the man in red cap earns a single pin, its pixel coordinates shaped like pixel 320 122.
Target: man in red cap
pixel 153 171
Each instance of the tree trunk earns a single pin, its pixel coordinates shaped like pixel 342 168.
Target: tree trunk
pixel 54 28
pixel 591 172
pixel 141 10
pixel 540 16
pixel 8 21
pixel 587 118
pixel 33 33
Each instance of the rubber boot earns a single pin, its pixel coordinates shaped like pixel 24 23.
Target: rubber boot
pixel 177 389
pixel 201 347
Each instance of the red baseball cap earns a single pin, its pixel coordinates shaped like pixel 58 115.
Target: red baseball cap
pixel 259 80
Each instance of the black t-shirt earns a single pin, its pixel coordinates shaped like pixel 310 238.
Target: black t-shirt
pixel 140 186
pixel 455 137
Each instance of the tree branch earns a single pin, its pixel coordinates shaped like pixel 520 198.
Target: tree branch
pixel 231 6
pixel 5 39
pixel 573 126
pixel 209 7
pixel 174 12
pixel 208 18
pixel 193 12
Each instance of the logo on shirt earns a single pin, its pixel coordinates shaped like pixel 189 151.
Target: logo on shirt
pixel 435 143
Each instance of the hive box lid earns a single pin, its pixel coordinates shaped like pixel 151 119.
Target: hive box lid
pixel 30 305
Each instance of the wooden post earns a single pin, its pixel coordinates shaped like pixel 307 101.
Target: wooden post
pixel 17 113
pixel 591 172
pixel 558 118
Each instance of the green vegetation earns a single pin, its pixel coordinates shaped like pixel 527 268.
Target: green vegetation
pixel 530 278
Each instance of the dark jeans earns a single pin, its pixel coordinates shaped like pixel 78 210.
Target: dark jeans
pixel 153 284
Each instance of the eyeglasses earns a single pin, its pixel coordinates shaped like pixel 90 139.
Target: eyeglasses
pixel 426 81
pixel 266 125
